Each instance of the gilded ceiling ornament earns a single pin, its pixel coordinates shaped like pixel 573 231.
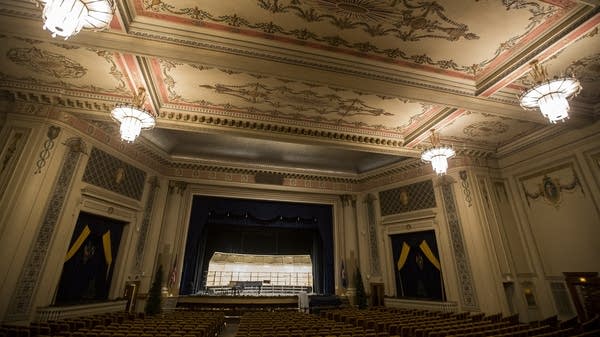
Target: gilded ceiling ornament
pixel 358 10
pixel 56 70
pixel 406 20
pixel 46 62
pixel 299 100
pixel 485 128
pixel 586 69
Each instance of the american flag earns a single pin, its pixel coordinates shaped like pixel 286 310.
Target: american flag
pixel 172 275
pixel 344 276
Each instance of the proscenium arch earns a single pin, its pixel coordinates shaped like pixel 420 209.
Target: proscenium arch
pixel 332 200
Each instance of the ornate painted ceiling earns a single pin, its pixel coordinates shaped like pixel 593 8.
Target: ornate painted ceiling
pixel 344 86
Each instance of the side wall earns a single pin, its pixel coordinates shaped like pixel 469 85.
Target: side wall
pixel 554 190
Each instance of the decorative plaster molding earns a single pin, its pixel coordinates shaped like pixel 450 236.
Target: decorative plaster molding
pixel 149 156
pixel 467 291
pixel 466 188
pixel 178 187
pixel 53 132
pixel 408 217
pixel 144 226
pixel 372 230
pixel 23 296
pixel 365 71
pixel 392 144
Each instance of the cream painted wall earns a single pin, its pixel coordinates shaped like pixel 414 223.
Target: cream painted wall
pixel 506 239
pixel 556 236
pixel 25 201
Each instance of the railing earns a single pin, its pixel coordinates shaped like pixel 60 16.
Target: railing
pixel 53 313
pixel 224 278
pixel 417 304
pixel 264 290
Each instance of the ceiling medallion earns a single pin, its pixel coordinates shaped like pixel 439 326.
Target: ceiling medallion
pixel 550 95
pixel 133 117
pixel 67 17
pixel 437 154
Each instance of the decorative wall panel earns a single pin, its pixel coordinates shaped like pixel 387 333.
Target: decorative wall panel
pixel 141 243
pixel 407 198
pixel 374 252
pixel 10 154
pixel 108 172
pixel 21 301
pixel 468 296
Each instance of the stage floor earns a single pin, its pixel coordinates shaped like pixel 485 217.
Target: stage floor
pixel 237 305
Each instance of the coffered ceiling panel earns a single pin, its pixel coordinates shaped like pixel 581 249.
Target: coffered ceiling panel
pixel 343 86
pixel 581 59
pixel 259 97
pixel 486 130
pixel 424 34
pixel 218 148
pixel 61 66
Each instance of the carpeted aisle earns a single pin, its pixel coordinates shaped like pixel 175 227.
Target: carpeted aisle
pixel 231 326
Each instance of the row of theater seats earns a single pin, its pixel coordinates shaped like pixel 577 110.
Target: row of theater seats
pixel 297 324
pixel 423 323
pixel 392 322
pixel 175 324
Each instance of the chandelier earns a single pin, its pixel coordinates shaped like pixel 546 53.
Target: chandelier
pixel 133 117
pixel 550 95
pixel 437 154
pixel 67 17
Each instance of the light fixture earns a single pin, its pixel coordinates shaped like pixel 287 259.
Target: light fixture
pixel 437 154
pixel 550 95
pixel 133 117
pixel 67 17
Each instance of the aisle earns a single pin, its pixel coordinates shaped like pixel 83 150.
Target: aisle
pixel 231 326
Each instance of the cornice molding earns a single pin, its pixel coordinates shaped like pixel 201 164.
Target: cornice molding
pixel 191 121
pixel 535 48
pixel 38 107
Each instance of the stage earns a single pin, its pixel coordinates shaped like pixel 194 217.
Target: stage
pixel 235 305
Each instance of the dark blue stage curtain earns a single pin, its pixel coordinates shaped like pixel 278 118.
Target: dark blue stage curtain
pixel 89 264
pixel 257 227
pixel 416 262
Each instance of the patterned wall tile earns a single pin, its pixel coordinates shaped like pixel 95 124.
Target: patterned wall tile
pixel 106 171
pixel 407 198
pixel 468 295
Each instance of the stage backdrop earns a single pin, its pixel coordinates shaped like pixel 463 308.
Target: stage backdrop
pixel 417 266
pixel 258 227
pixel 89 263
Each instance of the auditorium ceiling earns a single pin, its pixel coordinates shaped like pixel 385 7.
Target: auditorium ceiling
pixel 346 86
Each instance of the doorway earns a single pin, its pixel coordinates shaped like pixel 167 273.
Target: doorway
pixel 90 260
pixel 377 294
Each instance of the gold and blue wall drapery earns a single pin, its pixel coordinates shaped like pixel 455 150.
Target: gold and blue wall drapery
pixel 417 267
pixel 78 242
pixel 88 266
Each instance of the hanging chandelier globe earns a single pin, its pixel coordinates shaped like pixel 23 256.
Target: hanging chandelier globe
pixel 133 118
pixel 437 154
pixel 66 18
pixel 550 95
